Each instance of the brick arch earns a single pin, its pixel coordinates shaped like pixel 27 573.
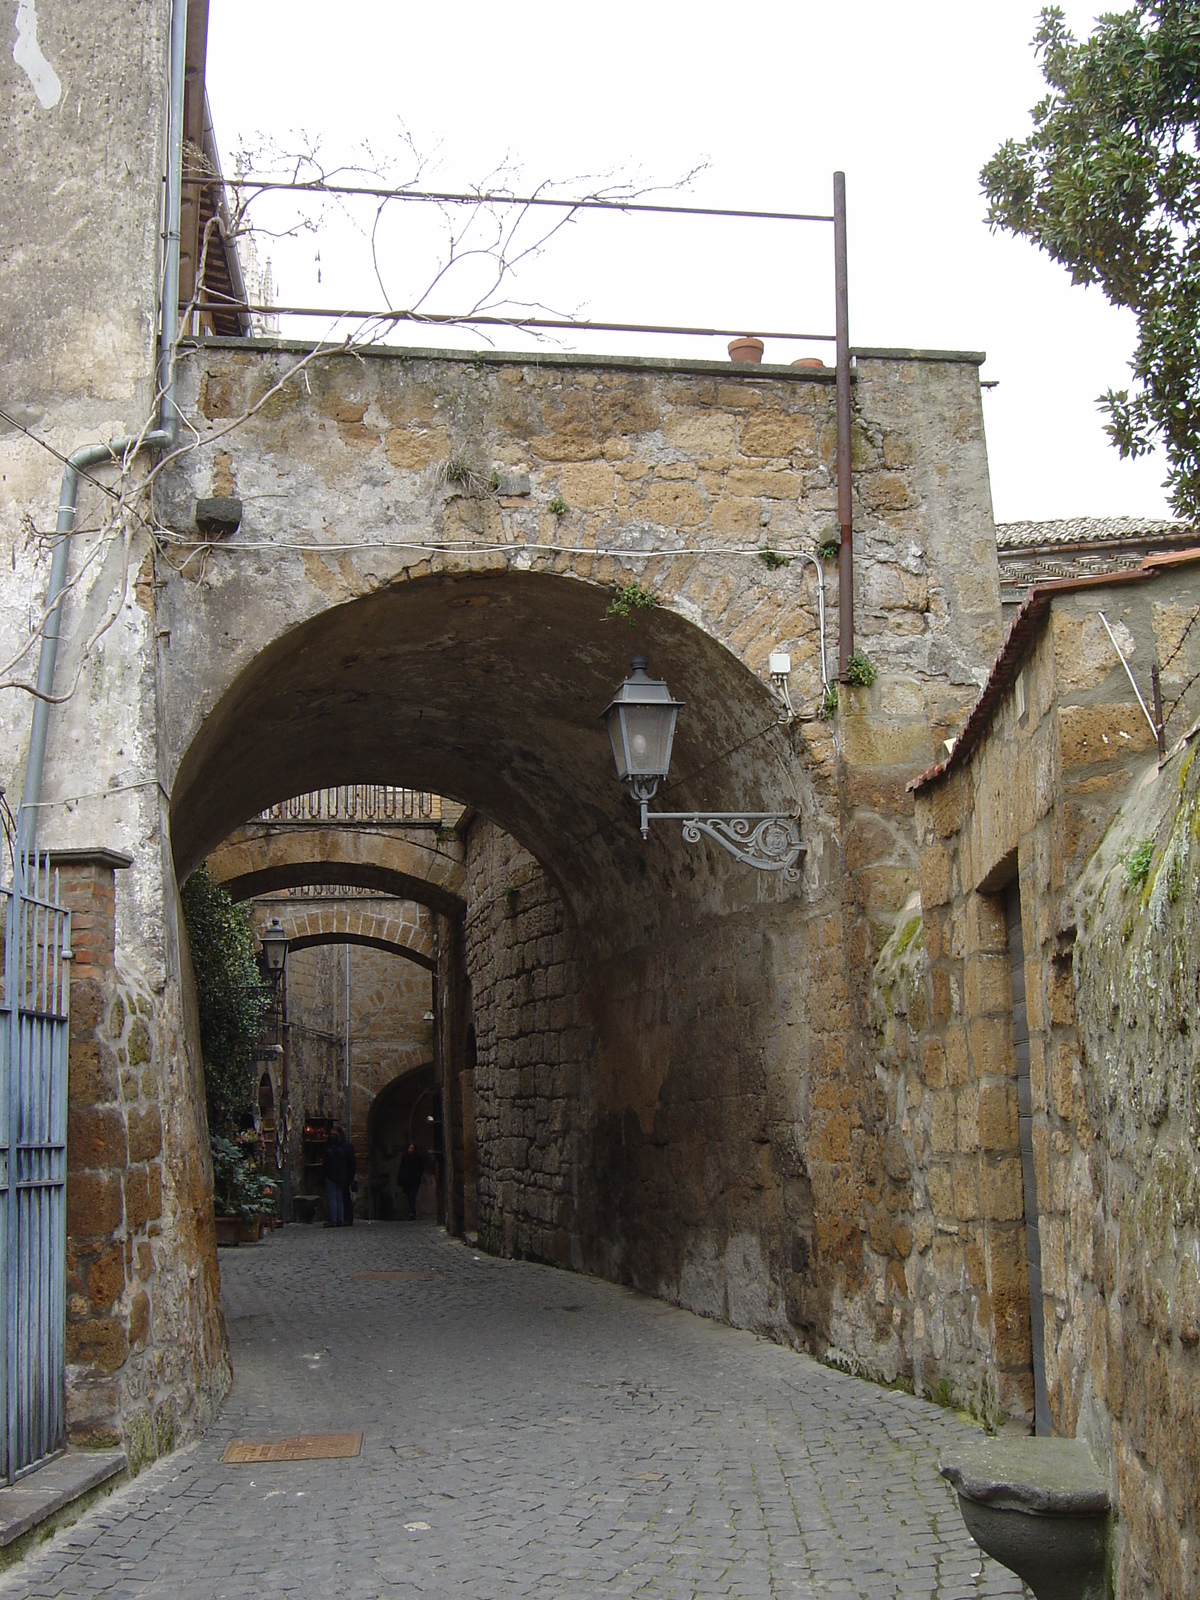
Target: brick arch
pixel 341 923
pixel 262 858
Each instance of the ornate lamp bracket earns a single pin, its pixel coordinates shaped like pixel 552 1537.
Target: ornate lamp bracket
pixel 768 841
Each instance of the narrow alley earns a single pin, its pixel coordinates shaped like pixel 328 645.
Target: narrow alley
pixel 526 1432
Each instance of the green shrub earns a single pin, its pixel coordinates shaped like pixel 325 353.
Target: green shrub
pixel 829 703
pixel 772 559
pixel 829 549
pixel 1137 864
pixel 628 600
pixel 558 506
pixel 861 670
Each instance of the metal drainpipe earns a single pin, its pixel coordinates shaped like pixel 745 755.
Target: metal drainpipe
pixel 845 503
pixel 91 455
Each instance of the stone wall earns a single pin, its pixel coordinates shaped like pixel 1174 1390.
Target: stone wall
pixel 1124 1125
pixel 1055 790
pixel 534 1048
pixel 145 1352
pixel 1028 803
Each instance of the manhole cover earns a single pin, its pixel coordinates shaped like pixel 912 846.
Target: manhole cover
pixel 413 1276
pixel 303 1447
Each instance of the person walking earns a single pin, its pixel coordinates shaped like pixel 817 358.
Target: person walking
pixel 412 1170
pixel 334 1171
pixel 349 1180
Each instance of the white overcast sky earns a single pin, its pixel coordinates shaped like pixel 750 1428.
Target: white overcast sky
pixel 908 99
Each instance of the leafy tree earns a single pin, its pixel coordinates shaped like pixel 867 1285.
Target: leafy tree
pixel 232 996
pixel 1108 184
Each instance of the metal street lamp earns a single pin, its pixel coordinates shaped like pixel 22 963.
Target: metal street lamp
pixel 274 943
pixel 641 721
pixel 641 728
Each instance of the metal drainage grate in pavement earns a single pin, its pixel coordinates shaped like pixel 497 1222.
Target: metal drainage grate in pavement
pixel 303 1447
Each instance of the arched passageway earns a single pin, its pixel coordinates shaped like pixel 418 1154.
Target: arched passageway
pixel 262 858
pixel 396 928
pixel 404 1114
pixel 650 1018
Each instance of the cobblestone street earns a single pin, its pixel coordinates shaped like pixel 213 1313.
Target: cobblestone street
pixel 528 1432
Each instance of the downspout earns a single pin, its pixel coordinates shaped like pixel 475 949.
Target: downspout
pixel 844 488
pixel 92 455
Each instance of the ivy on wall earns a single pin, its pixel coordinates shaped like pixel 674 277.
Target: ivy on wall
pixel 232 996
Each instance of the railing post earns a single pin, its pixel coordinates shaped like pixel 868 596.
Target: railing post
pixel 845 512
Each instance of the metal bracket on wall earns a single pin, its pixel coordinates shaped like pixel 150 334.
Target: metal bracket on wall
pixel 768 841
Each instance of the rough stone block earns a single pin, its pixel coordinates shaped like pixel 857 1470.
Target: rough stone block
pixel 1001 1195
pixel 145 1134
pixel 97 1342
pixel 944 1122
pixel 105 1277
pixel 991 1044
pixel 1089 735
pixel 934 870
pixel 94 1206
pixel 95 1138
pixel 998 1129
pixel 966 1193
pixel 91 1071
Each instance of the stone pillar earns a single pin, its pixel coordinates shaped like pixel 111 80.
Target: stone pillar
pixel 106 1197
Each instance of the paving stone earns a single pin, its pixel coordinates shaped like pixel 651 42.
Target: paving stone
pixel 630 1449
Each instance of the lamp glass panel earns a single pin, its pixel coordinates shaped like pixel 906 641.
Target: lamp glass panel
pixel 616 734
pixel 649 731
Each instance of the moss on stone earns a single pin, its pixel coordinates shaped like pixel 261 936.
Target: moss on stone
pixel 137 1435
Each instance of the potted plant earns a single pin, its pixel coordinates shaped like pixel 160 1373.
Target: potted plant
pixel 242 1195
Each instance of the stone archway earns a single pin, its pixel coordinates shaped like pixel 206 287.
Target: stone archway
pixel 396 928
pixel 403 1113
pixel 640 1022
pixel 259 858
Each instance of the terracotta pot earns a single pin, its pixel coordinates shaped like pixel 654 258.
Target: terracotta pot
pixel 250 1232
pixel 227 1230
pixel 809 361
pixel 747 348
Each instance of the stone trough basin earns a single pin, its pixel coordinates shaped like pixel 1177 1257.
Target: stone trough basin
pixel 1038 1506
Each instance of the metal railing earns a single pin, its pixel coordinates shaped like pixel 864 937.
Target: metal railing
pixel 358 802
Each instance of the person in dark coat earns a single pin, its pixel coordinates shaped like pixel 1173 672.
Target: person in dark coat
pixel 334 1172
pixel 412 1170
pixel 349 1180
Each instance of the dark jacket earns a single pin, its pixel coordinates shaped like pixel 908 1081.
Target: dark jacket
pixel 412 1170
pixel 334 1165
pixel 350 1160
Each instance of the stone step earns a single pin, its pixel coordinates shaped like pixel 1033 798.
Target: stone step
pixel 53 1495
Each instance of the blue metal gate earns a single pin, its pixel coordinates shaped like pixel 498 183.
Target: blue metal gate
pixel 33 1165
